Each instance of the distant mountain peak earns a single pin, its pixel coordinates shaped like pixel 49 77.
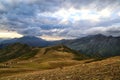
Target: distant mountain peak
pixel 30 37
pixel 29 40
pixel 97 35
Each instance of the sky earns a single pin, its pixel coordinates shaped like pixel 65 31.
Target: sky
pixel 59 19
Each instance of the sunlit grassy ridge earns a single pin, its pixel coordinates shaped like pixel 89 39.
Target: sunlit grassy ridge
pixel 22 51
pixel 19 57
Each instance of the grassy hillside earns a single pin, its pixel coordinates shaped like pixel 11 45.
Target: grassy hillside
pixel 22 62
pixel 19 57
pixel 16 50
pixel 24 52
pixel 108 69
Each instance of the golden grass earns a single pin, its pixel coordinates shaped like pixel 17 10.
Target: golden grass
pixel 108 69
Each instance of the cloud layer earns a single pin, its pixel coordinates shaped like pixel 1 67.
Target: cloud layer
pixel 60 18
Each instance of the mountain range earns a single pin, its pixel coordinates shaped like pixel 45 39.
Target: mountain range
pixel 96 45
pixel 93 45
pixel 72 59
pixel 29 40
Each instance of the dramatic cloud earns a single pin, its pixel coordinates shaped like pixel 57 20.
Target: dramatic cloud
pixel 59 19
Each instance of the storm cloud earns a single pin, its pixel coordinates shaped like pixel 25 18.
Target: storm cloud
pixel 61 18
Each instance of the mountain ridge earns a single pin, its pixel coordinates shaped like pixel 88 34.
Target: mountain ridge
pixel 23 51
pixel 29 40
pixel 93 45
pixel 96 45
